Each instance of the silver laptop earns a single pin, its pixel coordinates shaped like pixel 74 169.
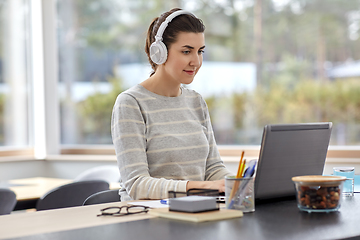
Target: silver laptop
pixel 289 150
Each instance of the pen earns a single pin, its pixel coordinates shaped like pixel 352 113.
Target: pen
pixel 249 172
pixel 162 201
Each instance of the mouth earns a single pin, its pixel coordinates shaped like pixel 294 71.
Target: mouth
pixel 190 72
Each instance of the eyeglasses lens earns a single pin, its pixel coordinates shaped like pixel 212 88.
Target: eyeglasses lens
pixel 136 209
pixel 110 211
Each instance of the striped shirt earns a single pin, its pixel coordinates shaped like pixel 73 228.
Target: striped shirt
pixel 163 142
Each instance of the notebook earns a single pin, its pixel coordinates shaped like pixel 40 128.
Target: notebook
pixel 197 217
pixel 289 150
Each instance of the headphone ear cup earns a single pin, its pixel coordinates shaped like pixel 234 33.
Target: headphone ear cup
pixel 158 52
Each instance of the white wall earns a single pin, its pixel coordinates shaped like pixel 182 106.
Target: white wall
pixel 41 168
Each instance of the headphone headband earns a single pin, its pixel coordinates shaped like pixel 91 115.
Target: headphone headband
pixel 158 50
pixel 163 26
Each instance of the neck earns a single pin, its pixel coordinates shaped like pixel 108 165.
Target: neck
pixel 162 86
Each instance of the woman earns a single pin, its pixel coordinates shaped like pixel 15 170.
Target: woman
pixel 161 131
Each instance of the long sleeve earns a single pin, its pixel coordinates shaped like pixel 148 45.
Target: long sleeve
pixel 128 133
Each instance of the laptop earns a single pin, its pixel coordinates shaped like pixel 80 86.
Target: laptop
pixel 289 150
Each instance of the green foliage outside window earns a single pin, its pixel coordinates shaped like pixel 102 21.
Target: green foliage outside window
pixel 308 101
pixel 95 113
pixel 292 43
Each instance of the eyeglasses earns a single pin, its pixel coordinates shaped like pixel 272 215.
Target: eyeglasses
pixel 123 210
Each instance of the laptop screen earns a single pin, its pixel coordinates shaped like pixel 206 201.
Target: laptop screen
pixel 289 150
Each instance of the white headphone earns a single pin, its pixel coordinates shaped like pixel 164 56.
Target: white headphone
pixel 158 50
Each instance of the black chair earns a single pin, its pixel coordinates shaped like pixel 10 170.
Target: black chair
pixel 103 197
pixel 7 201
pixel 70 195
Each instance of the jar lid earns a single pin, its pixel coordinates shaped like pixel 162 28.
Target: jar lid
pixel 318 179
pixel 344 169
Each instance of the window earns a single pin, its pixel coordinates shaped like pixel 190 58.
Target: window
pixel 266 61
pixel 14 74
pixel 62 64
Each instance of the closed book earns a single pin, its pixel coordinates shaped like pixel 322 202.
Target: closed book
pixel 221 214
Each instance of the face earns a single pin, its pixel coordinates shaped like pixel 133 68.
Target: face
pixel 185 57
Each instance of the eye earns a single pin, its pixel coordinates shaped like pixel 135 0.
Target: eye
pixel 201 52
pixel 186 52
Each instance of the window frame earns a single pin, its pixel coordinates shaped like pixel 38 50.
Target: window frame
pixel 46 124
pixel 339 152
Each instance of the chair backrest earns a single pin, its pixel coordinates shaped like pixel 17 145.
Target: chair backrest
pixel 7 201
pixel 108 173
pixel 70 195
pixel 103 197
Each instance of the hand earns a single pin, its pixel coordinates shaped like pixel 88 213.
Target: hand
pixel 217 184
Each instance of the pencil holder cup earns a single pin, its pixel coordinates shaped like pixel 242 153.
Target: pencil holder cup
pixel 239 193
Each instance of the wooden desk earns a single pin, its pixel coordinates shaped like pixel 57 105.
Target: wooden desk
pixel 29 190
pixel 34 188
pixel 272 220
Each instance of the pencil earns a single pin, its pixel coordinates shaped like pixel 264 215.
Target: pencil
pixel 242 168
pixel 238 175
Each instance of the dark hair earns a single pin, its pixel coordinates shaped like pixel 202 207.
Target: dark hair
pixel 181 23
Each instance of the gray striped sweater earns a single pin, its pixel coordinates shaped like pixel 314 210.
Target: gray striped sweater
pixel 163 142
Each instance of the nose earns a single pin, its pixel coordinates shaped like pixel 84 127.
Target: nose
pixel 196 60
